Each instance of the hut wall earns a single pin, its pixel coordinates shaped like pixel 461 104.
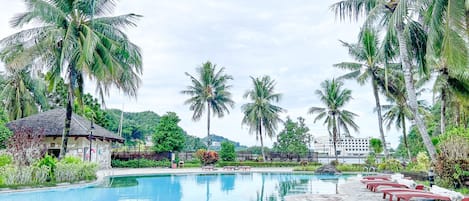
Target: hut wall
pixel 79 147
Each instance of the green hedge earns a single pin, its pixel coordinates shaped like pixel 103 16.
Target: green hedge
pixel 306 168
pixel 261 164
pixel 139 163
pixel 350 167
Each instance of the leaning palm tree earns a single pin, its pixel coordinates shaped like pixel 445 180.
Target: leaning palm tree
pixel 209 91
pixel 22 94
pixel 368 66
pixel 261 113
pixel 397 17
pixel 334 98
pixel 70 41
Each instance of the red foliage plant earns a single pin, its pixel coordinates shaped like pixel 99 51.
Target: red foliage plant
pixel 207 157
pixel 26 145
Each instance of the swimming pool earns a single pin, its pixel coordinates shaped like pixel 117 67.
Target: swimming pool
pixel 193 187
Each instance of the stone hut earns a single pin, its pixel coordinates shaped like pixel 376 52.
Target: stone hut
pixel 51 124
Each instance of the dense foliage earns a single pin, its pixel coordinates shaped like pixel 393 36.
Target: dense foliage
pixel 376 145
pixel 139 163
pixel 227 152
pixel 5 133
pixel 294 138
pixel 207 157
pixel 168 136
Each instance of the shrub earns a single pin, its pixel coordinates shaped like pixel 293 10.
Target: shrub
pixel 350 167
pixel 139 163
pixel 227 152
pixel 307 168
pixel 71 160
pixel 422 164
pixel 23 175
pixel 71 172
pixel 51 162
pixel 5 159
pixel 262 164
pixel 334 163
pixel 392 165
pixel 207 157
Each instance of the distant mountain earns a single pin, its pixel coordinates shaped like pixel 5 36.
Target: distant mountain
pixel 135 125
pixel 217 140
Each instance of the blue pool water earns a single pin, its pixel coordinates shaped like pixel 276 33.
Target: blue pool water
pixel 193 187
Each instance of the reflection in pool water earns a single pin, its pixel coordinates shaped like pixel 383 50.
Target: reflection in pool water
pixel 192 187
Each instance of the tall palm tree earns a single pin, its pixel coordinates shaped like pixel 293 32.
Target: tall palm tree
pixel 369 65
pixel 397 17
pixel 261 113
pixel 70 41
pixel 22 94
pixel 334 98
pixel 210 90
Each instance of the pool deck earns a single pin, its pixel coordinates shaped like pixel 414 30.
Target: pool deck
pixel 350 191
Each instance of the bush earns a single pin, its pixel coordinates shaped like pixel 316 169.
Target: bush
pixel 392 165
pixel 51 162
pixel 334 163
pixel 72 172
pixel 5 159
pixel 350 167
pixel 140 163
pixel 71 160
pixel 422 164
pixel 227 152
pixel 23 175
pixel 207 157
pixel 262 164
pixel 311 168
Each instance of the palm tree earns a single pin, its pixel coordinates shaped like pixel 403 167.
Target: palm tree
pixel 334 98
pixel 261 113
pixel 369 65
pixel 211 89
pixel 396 16
pixel 22 93
pixel 448 51
pixel 71 42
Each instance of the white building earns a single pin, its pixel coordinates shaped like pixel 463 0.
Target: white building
pixel 345 146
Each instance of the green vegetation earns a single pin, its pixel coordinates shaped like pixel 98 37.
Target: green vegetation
pixel 140 163
pixel 211 89
pixel 258 164
pixel 334 98
pixel 311 168
pixel 392 165
pixel 168 136
pixel 376 145
pixel 5 133
pixel 227 152
pixel 293 138
pixel 207 157
pixel 261 115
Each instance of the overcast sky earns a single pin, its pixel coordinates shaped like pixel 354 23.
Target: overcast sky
pixel 295 42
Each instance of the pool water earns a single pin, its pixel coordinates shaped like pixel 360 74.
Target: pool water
pixel 193 187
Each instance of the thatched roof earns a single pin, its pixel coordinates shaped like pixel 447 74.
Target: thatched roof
pixel 52 122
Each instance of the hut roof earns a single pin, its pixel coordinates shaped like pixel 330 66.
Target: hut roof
pixel 52 123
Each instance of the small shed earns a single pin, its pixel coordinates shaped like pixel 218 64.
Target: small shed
pixel 51 124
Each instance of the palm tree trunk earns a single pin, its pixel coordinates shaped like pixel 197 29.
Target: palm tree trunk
pixel 68 120
pixel 380 117
pixel 404 135
pixel 262 142
pixel 411 94
pixel 334 139
pixel 443 112
pixel 209 142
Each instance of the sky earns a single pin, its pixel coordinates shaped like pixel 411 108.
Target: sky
pixel 296 42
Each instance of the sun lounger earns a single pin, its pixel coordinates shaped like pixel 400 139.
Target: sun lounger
pixel 229 168
pixel 373 186
pixel 412 195
pixel 245 168
pixel 390 191
pixel 208 168
pixel 373 177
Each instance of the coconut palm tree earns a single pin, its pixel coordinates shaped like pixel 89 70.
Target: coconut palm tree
pixel 209 90
pixel 334 97
pixel 397 18
pixel 71 41
pixel 448 51
pixel 22 94
pixel 261 113
pixel 370 64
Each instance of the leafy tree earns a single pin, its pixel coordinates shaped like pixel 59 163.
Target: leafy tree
pixel 377 145
pixel 211 89
pixel 169 136
pixel 261 111
pixel 70 41
pixel 293 138
pixel 227 152
pixel 369 65
pixel 334 98
pixel 5 133
pixel 193 143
